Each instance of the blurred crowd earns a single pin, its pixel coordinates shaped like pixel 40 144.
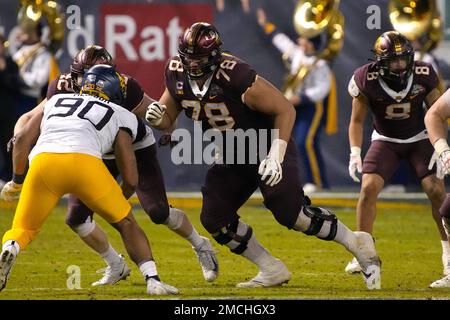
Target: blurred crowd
pixel 25 67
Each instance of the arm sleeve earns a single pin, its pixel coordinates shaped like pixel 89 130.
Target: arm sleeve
pixel 320 85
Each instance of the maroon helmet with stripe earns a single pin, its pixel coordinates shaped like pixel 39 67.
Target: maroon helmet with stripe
pixel 394 57
pixel 199 50
pixel 84 60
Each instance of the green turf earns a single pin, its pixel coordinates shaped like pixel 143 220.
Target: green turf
pixel 407 243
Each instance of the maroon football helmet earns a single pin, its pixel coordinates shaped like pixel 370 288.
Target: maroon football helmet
pixel 394 57
pixel 84 60
pixel 199 50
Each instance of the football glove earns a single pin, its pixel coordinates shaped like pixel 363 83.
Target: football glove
pixel 270 168
pixel 442 164
pixel 355 163
pixel 271 165
pixel 441 157
pixel 11 191
pixel 155 113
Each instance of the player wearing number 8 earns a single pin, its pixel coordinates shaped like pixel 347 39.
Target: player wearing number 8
pixel 71 133
pixel 394 88
pixel 225 93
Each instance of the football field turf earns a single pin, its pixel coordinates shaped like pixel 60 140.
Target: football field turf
pixel 406 239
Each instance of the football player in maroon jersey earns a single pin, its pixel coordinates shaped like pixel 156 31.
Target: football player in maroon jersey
pixel 224 93
pixel 394 89
pixel 150 190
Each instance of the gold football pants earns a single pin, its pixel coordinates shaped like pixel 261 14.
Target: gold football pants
pixel 51 175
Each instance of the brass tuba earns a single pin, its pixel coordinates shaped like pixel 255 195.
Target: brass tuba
pixel 418 20
pixel 312 18
pixel 32 11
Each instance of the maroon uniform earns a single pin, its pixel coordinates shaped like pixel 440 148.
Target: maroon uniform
pixel 228 186
pixel 150 190
pixel 221 106
pixel 397 116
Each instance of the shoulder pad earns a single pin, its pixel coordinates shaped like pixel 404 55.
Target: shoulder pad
pixel 353 89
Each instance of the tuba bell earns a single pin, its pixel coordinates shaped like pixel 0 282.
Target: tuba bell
pixel 313 18
pixel 32 11
pixel 418 20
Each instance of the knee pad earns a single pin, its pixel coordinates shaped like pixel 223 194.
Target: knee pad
pixel 158 213
pixel 235 236
pixel 316 221
pixel 84 229
pixel 175 219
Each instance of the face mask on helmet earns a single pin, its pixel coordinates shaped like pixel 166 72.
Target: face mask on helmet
pixel 104 82
pixel 199 50
pixel 397 70
pixel 394 58
pixel 85 59
pixel 197 67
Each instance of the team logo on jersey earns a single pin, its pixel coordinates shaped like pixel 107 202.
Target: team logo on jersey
pixel 214 91
pixel 416 90
pixel 179 87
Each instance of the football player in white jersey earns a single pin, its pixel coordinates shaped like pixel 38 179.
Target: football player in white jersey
pixel 150 190
pixel 75 132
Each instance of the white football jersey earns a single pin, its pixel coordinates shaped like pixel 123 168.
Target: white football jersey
pixel 85 124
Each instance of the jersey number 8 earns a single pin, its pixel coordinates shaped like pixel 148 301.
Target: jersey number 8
pixel 399 111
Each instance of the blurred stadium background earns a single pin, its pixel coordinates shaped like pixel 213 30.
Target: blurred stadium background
pixel 241 35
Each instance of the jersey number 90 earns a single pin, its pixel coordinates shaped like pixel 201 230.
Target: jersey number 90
pixel 72 105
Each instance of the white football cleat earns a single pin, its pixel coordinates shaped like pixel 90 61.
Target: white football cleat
pixel 368 260
pixel 7 259
pixel 441 283
pixel 208 261
pixel 353 267
pixel 113 273
pixel 446 264
pixel 157 287
pixel 274 275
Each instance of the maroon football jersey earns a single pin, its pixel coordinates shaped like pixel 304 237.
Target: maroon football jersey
pixel 397 115
pixel 133 93
pixel 221 107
